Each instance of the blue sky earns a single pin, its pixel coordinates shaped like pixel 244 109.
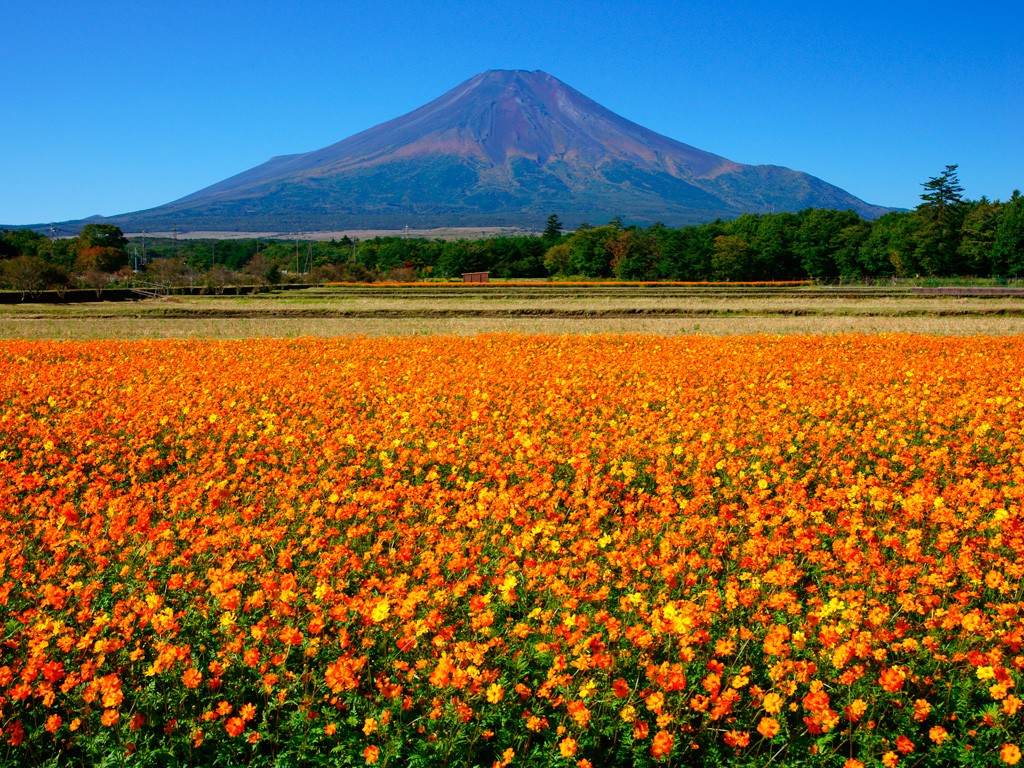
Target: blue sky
pixel 119 106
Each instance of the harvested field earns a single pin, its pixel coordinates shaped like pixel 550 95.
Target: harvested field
pixel 455 309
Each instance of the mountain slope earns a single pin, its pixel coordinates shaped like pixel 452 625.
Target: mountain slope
pixel 506 147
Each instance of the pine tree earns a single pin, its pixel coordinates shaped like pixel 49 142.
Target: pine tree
pixel 553 230
pixel 942 212
pixel 942 191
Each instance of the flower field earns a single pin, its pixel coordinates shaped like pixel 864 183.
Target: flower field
pixel 513 550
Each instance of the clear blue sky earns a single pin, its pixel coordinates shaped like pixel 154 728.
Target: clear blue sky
pixel 119 106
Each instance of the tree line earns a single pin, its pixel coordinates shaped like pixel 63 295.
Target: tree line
pixel 946 235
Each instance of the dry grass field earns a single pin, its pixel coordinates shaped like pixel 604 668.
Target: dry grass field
pixel 543 308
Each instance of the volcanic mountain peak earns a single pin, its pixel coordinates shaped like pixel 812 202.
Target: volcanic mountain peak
pixel 506 147
pixel 494 117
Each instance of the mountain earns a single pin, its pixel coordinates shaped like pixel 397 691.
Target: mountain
pixel 507 147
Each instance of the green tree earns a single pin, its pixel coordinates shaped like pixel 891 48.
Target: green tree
pixel 848 244
pixel 819 240
pixel 731 258
pixel 553 230
pixel 460 256
pixel 889 248
pixel 20 242
pixel 1008 244
pixel 977 237
pixel 588 252
pixel 685 254
pixel 556 259
pixel 634 254
pixel 942 212
pixel 102 236
pixel 61 252
pixel 773 241
pixel 943 191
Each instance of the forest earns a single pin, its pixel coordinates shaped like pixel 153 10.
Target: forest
pixel 945 236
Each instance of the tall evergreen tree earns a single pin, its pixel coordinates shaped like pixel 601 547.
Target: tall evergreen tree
pixel 944 190
pixel 553 230
pixel 942 211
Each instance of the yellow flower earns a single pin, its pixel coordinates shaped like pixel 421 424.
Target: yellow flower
pixel 495 693
pixel 381 611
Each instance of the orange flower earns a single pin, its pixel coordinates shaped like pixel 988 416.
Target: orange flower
pixel 1010 754
pixel 655 701
pixel 737 739
pixel 855 710
pixel 53 722
pixel 772 703
pixel 234 726
pixel 849 527
pixel 1011 705
pixel 192 678
pixel 567 746
pixel 662 744
pixel 291 636
pixel 891 679
pixel 921 710
pixel 110 717
pixel 768 727
pixel 370 754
